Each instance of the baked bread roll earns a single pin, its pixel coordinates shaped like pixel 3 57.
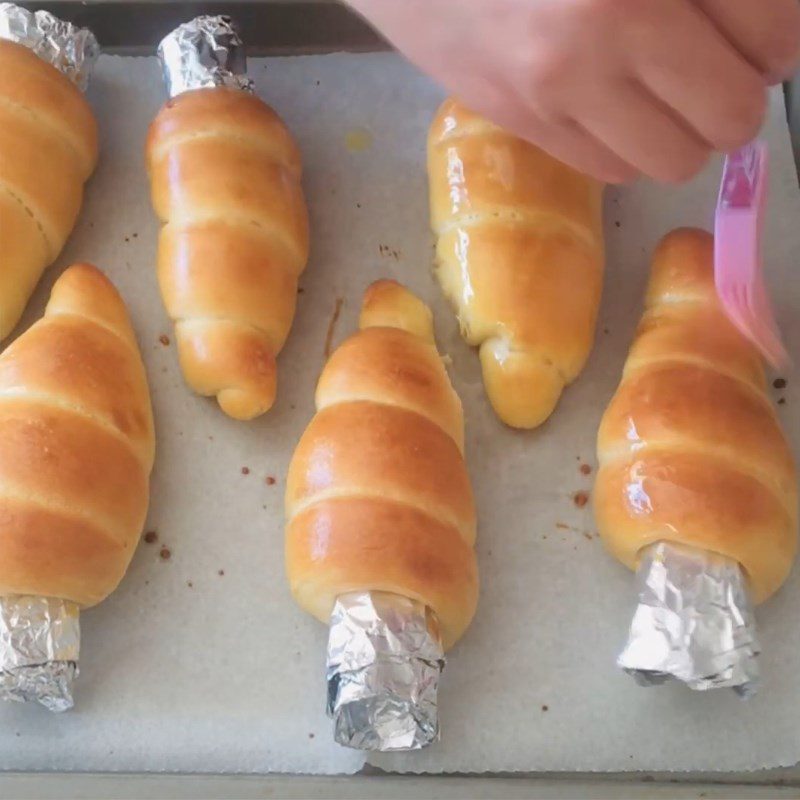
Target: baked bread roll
pixel 378 496
pixel 519 254
pixel 690 448
pixel 225 175
pixel 76 445
pixel 48 148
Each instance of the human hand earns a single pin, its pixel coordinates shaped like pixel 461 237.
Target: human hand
pixel 617 88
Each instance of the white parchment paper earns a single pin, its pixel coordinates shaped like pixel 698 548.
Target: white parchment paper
pixel 201 663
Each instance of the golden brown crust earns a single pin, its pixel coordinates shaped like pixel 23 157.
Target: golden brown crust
pixel 48 553
pixel 76 445
pixel 232 361
pixel 368 544
pixel 225 180
pixel 388 453
pixel 29 82
pixel 399 368
pixel 50 457
pixel 387 304
pixel 520 256
pixel 225 113
pixel 211 271
pixel 48 148
pixel 23 244
pixel 690 448
pixel 378 495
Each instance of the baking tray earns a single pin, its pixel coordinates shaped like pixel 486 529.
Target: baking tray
pixel 162 17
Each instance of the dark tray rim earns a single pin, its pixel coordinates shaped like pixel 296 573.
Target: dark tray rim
pixel 268 28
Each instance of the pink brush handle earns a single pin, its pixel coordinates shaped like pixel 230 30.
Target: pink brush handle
pixel 744 178
pixel 741 207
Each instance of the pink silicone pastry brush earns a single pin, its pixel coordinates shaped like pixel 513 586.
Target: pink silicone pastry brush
pixel 738 267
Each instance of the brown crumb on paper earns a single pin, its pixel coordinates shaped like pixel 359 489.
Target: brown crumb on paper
pixel 190 584
pixel 165 553
pixel 150 537
pixel 389 252
pixel 585 469
pixel 580 499
pixel 245 470
pixel 269 480
pixel 164 339
pixel 779 383
pixel 562 526
pixel 781 401
pixel 587 536
pixel 220 572
pixel 337 309
pixel 545 708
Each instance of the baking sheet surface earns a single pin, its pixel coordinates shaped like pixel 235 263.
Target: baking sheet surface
pixel 200 662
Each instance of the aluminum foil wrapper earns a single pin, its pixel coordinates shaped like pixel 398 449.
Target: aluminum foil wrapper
pixel 39 644
pixel 385 656
pixel 694 622
pixel 70 49
pixel 204 52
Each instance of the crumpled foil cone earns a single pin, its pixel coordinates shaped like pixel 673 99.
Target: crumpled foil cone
pixel 70 49
pixel 385 657
pixel 39 648
pixel 204 52
pixel 694 622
